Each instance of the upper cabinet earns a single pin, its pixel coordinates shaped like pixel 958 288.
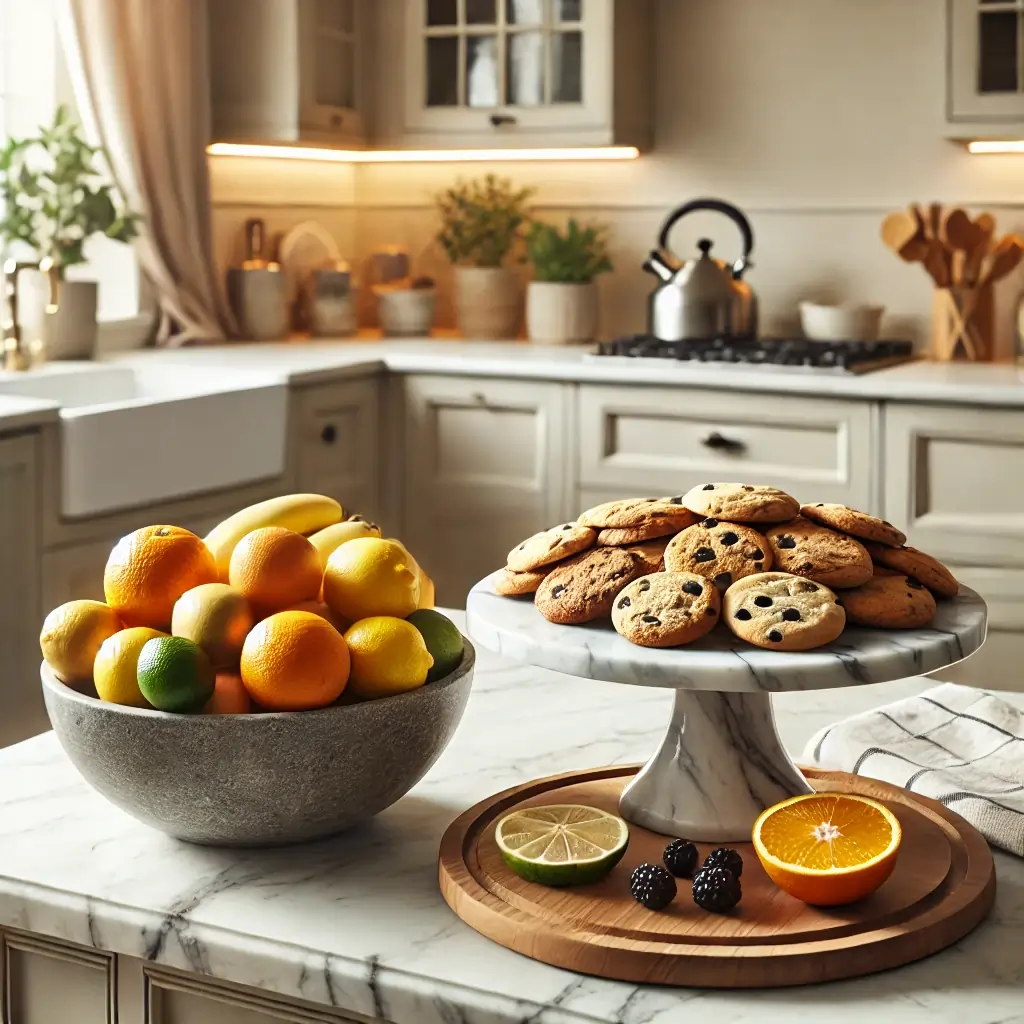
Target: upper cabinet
pixel 286 71
pixel 986 66
pixel 513 73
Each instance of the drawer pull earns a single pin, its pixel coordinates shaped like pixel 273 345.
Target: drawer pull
pixel 720 443
pixel 502 119
pixel 479 397
pixel 329 434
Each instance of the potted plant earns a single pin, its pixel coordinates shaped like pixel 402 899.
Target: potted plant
pixel 561 301
pixel 481 221
pixel 55 198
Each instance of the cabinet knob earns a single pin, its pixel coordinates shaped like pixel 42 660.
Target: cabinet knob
pixel 719 442
pixel 479 397
pixel 502 119
pixel 336 120
pixel 329 434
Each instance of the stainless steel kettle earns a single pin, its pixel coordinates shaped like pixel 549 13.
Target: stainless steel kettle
pixel 702 297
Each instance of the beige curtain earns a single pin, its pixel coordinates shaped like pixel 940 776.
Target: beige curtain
pixel 139 71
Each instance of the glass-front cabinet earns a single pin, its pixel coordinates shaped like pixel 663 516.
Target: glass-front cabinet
pixel 986 64
pixel 518 72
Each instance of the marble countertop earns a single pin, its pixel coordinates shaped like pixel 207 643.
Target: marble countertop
pixel 303 362
pixel 19 413
pixel 358 922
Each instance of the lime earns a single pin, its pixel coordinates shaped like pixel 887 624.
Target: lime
pixel 175 674
pixel 388 656
pixel 561 844
pixel 443 640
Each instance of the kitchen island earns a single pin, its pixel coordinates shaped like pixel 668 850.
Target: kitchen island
pixel 98 912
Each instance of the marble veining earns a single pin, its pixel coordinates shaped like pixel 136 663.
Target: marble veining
pixel 720 661
pixel 358 922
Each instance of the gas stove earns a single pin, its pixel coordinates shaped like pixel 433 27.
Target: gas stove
pixel 841 357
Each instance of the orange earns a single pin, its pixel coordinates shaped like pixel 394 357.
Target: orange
pixel 215 617
pixel 294 661
pixel 150 569
pixel 275 568
pixel 230 697
pixel 72 636
pixel 319 608
pixel 828 848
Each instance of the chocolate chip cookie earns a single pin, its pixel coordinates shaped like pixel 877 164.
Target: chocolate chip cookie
pixel 889 602
pixel 781 612
pixel 622 535
pixel 651 553
pixel 720 552
pixel 857 524
pixel 818 553
pixel 741 503
pixel 549 546
pixel 510 583
pixel 583 588
pixel 917 565
pixel 633 512
pixel 666 609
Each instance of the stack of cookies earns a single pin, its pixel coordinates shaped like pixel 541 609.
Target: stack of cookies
pixel 780 575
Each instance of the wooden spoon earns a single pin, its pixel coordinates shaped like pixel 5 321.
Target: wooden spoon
pixel 962 236
pixel 1004 260
pixel 985 226
pixel 900 233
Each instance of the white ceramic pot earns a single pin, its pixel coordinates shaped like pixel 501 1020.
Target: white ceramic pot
pixel 560 314
pixel 842 322
pixel 406 312
pixel 70 333
pixel 487 302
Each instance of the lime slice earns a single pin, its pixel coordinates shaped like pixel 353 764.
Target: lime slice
pixel 561 844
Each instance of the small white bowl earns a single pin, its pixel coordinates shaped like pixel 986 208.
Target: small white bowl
pixel 841 323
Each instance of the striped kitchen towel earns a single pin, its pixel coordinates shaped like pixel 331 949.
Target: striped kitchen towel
pixel 960 746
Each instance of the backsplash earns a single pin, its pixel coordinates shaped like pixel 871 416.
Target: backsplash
pixel 815 168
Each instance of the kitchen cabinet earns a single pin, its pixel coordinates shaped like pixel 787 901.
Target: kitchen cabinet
pixel 338 444
pixel 985 69
pixel 20 607
pixel 286 70
pixel 640 440
pixel 487 463
pixel 514 73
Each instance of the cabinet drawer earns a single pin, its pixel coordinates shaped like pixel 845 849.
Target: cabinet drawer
pixel 668 440
pixel 953 481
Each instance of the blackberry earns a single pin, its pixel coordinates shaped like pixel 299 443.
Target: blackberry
pixel 724 858
pixel 652 886
pixel 716 889
pixel 680 858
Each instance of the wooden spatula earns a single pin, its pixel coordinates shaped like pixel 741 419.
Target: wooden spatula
pixel 1004 260
pixel 985 226
pixel 900 233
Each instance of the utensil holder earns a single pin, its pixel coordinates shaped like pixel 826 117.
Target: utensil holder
pixel 962 321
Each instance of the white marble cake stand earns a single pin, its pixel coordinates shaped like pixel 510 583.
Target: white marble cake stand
pixel 721 762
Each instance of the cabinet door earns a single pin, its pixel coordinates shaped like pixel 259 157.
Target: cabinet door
pixel 21 610
pixel 486 466
pixel 498 68
pixel 329 79
pixel 338 444
pixel 953 481
pixel 645 440
pixel 986 61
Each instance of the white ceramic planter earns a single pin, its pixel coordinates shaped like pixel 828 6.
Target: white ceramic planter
pixel 70 333
pixel 406 313
pixel 559 314
pixel 487 302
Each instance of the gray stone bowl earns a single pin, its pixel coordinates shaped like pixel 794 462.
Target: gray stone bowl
pixel 264 779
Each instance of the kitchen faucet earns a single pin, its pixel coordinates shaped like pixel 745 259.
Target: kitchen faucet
pixel 19 355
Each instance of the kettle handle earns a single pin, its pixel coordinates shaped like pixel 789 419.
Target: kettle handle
pixel 717 206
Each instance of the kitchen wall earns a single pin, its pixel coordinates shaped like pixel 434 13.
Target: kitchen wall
pixel 814 116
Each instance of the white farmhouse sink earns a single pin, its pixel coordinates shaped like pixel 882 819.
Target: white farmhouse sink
pixel 133 436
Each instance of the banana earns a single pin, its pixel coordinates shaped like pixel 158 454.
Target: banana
pixel 332 537
pixel 303 513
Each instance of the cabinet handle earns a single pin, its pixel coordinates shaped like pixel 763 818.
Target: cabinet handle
pixel 479 397
pixel 329 434
pixel 502 119
pixel 336 120
pixel 719 442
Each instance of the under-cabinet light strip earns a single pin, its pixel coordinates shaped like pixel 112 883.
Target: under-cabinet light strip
pixel 412 156
pixel 996 146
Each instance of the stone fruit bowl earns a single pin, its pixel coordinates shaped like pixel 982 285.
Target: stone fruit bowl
pixel 260 779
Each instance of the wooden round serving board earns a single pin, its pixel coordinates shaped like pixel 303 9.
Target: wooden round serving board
pixel 943 885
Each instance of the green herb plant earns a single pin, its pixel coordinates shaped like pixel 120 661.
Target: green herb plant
pixel 574 256
pixel 55 197
pixel 482 220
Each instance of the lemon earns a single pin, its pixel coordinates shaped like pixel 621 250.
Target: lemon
pixel 370 576
pixel 443 640
pixel 561 844
pixel 175 674
pixel 115 671
pixel 217 617
pixel 330 538
pixel 72 634
pixel 388 656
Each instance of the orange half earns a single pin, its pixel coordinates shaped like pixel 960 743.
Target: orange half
pixel 828 848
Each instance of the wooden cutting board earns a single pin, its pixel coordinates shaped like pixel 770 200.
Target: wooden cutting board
pixel 942 887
